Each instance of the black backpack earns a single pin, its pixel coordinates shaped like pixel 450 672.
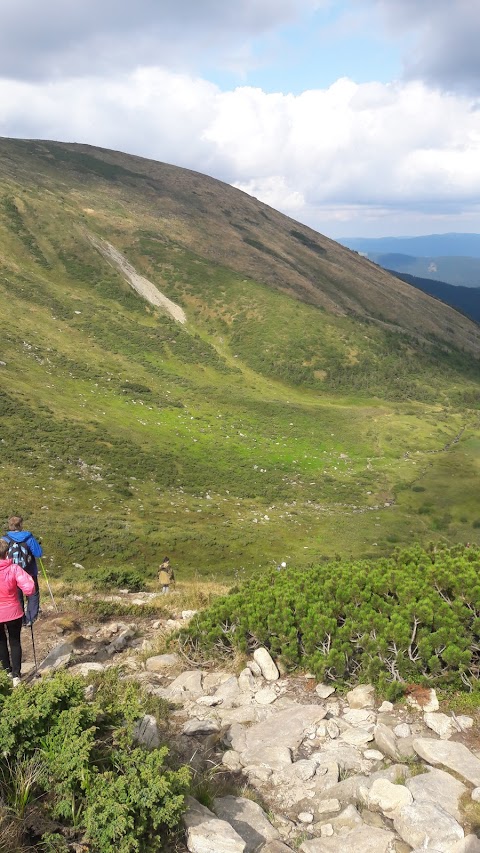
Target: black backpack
pixel 19 552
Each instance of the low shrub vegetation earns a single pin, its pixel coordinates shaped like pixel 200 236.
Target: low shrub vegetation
pixel 413 617
pixel 71 768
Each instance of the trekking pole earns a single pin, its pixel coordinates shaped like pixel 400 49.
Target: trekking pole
pixel 48 585
pixel 33 648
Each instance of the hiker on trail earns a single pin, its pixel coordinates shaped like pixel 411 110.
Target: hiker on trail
pixel 23 550
pixel 12 579
pixel 165 575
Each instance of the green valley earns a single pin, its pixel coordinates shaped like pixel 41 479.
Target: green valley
pixel 310 406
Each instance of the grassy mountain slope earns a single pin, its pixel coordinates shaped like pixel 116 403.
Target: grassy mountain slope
pixel 296 414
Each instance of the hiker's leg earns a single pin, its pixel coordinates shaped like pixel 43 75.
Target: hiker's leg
pixel 33 604
pixel 14 629
pixel 4 655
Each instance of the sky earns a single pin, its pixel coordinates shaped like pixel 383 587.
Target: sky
pixel 356 117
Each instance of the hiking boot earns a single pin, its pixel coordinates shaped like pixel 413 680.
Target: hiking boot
pixel 16 681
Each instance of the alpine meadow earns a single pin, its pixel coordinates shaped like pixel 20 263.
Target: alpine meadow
pixel 276 396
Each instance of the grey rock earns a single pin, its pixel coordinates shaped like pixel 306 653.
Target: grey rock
pixel 266 696
pixel 196 727
pixel 246 680
pixel 402 730
pixel 437 787
pixel 248 819
pixel 121 641
pixel 254 668
pixel 357 737
pixel 362 696
pixel 469 844
pixel 158 663
pixel 388 798
pixel 454 756
pixel 360 717
pixel 188 685
pixel 58 657
pixel 363 839
pixel 386 741
pixel 441 724
pixel 231 759
pixel 287 731
pixel 146 732
pixel 428 825
pixel 87 668
pixel 206 833
pixel 267 665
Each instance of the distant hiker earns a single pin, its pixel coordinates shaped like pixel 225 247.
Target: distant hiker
pixel 12 579
pixel 165 575
pixel 23 550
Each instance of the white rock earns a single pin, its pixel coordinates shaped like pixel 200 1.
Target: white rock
pixel 286 729
pixel 209 701
pixel 361 839
pixel 454 756
pixel 265 696
pixel 188 614
pixel 231 759
pixel 361 696
pixel 385 708
pixel 476 795
pixel 373 755
pixel 388 798
pixel 188 685
pixel 328 806
pixel 208 834
pixel 254 668
pixel 246 680
pixel 441 724
pixel 359 717
pixel 267 665
pixel 428 706
pixel 464 722
pixel 470 844
pixel 87 668
pixel 402 730
pixel 324 690
pixel 305 817
pixel 427 825
pixel 326 830
pixel 357 737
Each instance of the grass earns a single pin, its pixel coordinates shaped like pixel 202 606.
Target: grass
pixel 231 444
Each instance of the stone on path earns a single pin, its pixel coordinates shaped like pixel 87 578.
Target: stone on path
pixel 427 700
pixel 266 663
pixel 206 833
pixel 195 727
pixel 364 839
pixel 188 685
pixel 454 756
pixel 248 819
pixel 441 724
pixel 158 663
pixel 388 798
pixel 85 669
pixel 58 657
pixel 121 641
pixel 266 696
pixel 386 741
pixel 362 696
pixel 287 732
pixel 324 690
pixel 429 826
pixel 437 787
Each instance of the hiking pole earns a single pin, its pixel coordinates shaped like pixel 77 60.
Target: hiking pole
pixel 33 648
pixel 48 585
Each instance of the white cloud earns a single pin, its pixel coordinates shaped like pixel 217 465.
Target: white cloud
pixel 328 155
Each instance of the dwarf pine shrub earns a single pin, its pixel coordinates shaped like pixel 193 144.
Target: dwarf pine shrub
pixel 415 616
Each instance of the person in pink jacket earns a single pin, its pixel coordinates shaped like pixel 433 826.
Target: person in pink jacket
pixel 12 578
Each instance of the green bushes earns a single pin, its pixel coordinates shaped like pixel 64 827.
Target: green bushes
pixel 415 616
pixel 80 763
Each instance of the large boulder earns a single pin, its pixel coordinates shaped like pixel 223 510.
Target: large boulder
pixel 248 819
pixel 428 825
pixel 362 696
pixel 206 833
pixel 364 839
pixel 388 798
pixel 286 729
pixel 437 787
pixel 267 664
pixel 454 756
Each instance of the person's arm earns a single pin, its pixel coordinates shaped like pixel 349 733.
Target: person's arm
pixel 34 546
pixel 24 580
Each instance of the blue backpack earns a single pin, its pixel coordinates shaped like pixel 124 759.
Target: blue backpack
pixel 19 552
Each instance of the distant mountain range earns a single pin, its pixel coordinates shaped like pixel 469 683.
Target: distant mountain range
pixel 450 258
pixel 444 245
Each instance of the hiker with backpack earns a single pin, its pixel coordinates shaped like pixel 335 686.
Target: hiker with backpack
pixel 23 550
pixel 12 580
pixel 165 575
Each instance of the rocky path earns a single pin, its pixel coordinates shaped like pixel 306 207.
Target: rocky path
pixel 324 773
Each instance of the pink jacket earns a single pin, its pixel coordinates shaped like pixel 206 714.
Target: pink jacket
pixel 13 577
